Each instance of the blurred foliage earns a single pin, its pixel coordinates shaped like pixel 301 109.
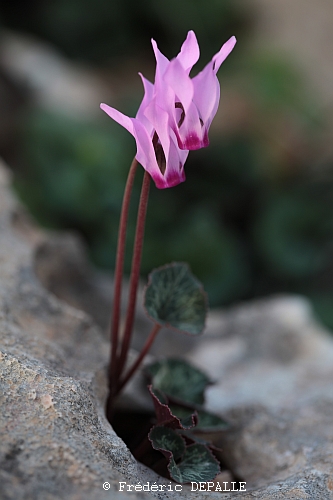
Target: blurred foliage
pixel 254 217
pixel 76 177
pixel 101 30
pixel 243 234
pixel 77 172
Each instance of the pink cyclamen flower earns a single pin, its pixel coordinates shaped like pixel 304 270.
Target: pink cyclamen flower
pixel 176 111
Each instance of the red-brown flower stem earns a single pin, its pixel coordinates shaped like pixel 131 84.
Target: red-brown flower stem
pixel 119 275
pixel 142 354
pixel 135 273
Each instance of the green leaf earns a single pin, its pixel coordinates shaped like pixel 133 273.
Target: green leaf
pixel 194 438
pixel 188 418
pixel 166 417
pixel 195 462
pixel 175 298
pixel 179 380
pixel 198 465
pixel 157 394
pixel 167 441
pixel 208 422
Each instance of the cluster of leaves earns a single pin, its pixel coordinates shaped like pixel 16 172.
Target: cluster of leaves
pixel 176 299
pixel 177 390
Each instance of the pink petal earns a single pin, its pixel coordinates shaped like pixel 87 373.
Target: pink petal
pixel 160 121
pixel 189 52
pixel 149 92
pixel 181 84
pixel 174 173
pixel 161 61
pixel 207 87
pixel 118 117
pixel 206 93
pixel 223 53
pixel 165 97
pixel 175 158
pixel 164 93
pixel 145 153
pixel 180 129
pixel 191 133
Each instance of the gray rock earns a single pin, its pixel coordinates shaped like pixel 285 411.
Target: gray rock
pixel 55 441
pixel 272 363
pixel 274 367
pixel 53 81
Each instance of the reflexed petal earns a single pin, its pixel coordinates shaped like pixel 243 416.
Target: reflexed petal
pixel 149 92
pixel 118 117
pixel 161 61
pixel 160 121
pixel 207 87
pixel 223 53
pixel 189 52
pixel 148 87
pixel 145 153
pixel 206 93
pixel 177 78
pixel 165 97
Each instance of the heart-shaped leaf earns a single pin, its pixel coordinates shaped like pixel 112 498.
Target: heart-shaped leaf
pixel 166 417
pixel 192 463
pixel 198 465
pixel 167 441
pixel 178 380
pixel 175 298
pixel 206 421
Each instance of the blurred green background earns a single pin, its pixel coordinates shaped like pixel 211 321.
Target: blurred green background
pixel 255 215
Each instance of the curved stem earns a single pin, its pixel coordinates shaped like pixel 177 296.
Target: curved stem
pixel 139 360
pixel 135 273
pixel 120 257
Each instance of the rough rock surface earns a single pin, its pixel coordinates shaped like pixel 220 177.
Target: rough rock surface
pixel 54 439
pixel 273 366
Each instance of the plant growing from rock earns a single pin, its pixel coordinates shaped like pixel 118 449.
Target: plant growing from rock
pixel 174 117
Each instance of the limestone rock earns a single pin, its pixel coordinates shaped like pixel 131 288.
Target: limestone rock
pixel 54 439
pixel 274 366
pixel 272 362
